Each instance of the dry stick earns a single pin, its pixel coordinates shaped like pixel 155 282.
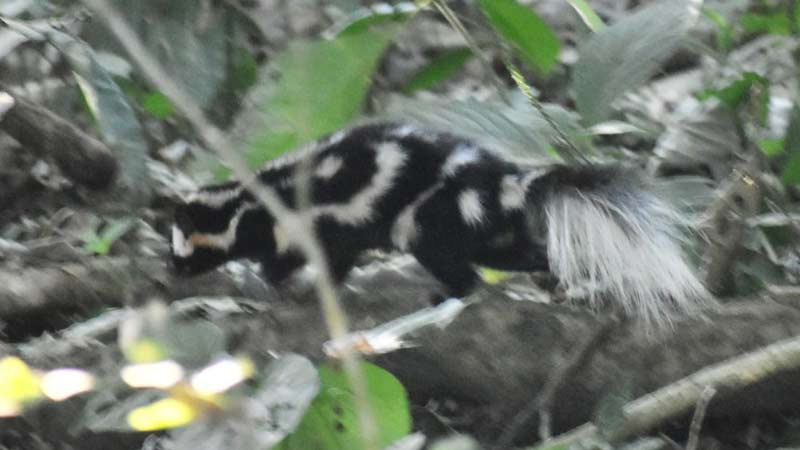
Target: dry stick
pixel 298 229
pixel 727 220
pixel 577 359
pixel 543 403
pixel 80 156
pixel 699 415
pixel 677 398
pixel 567 148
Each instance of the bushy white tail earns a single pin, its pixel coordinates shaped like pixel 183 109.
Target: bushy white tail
pixel 615 239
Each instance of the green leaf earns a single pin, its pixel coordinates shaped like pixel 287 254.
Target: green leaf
pixel 117 229
pixel 115 117
pixel 518 130
pixel 526 31
pixel 331 422
pixel 771 147
pixel 796 14
pixel 158 105
pixel 623 56
pixel 738 91
pixel 245 71
pixel 362 19
pixel 101 243
pixel 791 170
pixel 773 23
pixel 439 69
pixel 724 29
pixel 587 14
pixel 322 86
pixel 269 146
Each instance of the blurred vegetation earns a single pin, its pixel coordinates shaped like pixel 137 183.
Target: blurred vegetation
pixel 276 80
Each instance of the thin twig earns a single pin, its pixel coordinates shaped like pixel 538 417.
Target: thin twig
pixel 699 415
pixel 678 398
pixel 725 222
pixel 543 403
pixel 455 22
pixel 80 156
pixel 564 145
pixel 298 230
pixel 566 371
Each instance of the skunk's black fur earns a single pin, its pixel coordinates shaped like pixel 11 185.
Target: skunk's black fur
pixel 453 205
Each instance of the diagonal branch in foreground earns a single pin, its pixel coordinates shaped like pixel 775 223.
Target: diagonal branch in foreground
pixel 678 398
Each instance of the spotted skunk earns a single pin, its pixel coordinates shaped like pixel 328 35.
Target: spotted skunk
pixel 453 205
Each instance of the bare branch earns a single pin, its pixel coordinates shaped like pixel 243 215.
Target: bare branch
pixel 699 415
pixel 79 155
pixel 677 398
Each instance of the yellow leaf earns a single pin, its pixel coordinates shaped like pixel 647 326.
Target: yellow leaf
pixel 18 383
pixel 163 414
pixel 146 351
pixel 492 276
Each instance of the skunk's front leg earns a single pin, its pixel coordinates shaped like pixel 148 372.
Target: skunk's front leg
pixel 445 243
pixel 277 269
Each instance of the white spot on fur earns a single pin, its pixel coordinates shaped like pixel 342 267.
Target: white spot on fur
pixel 282 242
pixel 292 158
pixel 404 230
pixel 214 198
pixel 180 245
pixel 512 194
pixel 390 159
pixel 463 155
pixel 337 137
pixel 623 245
pixel 469 203
pixel 328 167
pixel 404 131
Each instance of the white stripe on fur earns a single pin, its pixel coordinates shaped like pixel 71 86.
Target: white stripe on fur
pixel 512 193
pixel 181 246
pixel 463 155
pixel 214 199
pixel 184 247
pixel 404 230
pixel 390 159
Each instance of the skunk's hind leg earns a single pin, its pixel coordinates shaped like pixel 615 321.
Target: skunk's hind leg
pixel 514 258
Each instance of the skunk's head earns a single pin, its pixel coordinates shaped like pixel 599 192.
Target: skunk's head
pixel 216 225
